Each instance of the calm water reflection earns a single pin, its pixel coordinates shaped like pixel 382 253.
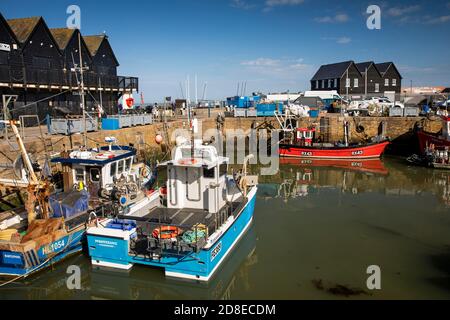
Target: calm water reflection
pixel 313 221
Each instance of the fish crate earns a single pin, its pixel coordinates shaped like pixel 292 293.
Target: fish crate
pixel 251 113
pixel 110 124
pixel 147 119
pixel 411 112
pixel 71 126
pixel 125 121
pixel 395 112
pixel 240 113
pixel 137 120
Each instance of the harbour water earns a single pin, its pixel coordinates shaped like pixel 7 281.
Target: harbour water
pixel 315 229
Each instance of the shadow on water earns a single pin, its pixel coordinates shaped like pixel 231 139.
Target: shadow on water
pixel 442 263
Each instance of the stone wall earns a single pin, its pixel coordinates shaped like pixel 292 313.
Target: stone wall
pixel 400 130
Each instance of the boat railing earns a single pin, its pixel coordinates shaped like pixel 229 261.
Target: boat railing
pixel 187 238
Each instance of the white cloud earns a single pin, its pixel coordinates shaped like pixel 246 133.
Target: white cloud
pixel 343 40
pixel 401 11
pixel 437 20
pixel 276 67
pixel 275 3
pixel 261 62
pixel 241 4
pixel 270 4
pixel 339 18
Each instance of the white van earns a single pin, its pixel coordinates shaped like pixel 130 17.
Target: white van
pixel 324 95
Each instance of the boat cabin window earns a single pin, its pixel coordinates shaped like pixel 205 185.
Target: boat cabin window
pixel 120 168
pixel 209 173
pixel 128 164
pixel 223 169
pixel 113 169
pixel 95 174
pixel 79 174
pixel 198 154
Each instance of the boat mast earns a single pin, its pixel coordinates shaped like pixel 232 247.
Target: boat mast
pixel 83 106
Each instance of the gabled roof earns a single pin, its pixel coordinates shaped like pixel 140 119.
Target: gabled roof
pixel 384 67
pixel 23 27
pixel 8 27
pixel 363 66
pixel 332 71
pixel 93 43
pixel 62 36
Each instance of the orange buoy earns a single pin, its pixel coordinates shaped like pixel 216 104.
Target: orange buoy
pixel 166 232
pixel 187 161
pixel 158 139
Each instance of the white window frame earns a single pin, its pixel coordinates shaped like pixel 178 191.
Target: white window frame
pixel 335 83
pixel 356 82
pixel 377 87
pixel 394 82
pixel 329 83
pixel 347 82
pixel 386 82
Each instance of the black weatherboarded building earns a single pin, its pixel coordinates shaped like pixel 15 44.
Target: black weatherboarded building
pixel 358 79
pixel 37 63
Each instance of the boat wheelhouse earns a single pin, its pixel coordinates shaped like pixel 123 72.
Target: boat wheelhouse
pixel 108 173
pixel 205 215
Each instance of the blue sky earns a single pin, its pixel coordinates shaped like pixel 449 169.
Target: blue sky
pixel 274 45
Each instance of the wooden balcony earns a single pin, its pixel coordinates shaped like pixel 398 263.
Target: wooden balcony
pixel 31 78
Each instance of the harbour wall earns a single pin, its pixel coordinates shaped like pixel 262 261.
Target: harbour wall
pixel 330 128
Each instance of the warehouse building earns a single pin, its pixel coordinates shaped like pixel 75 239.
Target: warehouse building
pixel 37 63
pixel 358 79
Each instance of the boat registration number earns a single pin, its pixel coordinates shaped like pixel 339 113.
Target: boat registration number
pixel 307 153
pixel 216 250
pixel 357 153
pixel 55 246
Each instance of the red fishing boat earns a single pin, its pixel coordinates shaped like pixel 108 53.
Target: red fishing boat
pixel 427 139
pixel 302 146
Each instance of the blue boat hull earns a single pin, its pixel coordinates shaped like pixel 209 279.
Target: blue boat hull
pixel 24 264
pixel 110 251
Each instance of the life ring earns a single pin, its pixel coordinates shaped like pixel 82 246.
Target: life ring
pixel 104 156
pixel 166 232
pixel 163 191
pixel 187 161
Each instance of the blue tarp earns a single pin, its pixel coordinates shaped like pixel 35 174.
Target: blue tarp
pixel 69 204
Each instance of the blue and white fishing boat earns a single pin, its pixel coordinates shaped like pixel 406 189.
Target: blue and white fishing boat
pixel 191 233
pixel 97 183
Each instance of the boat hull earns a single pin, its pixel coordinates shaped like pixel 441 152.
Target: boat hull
pixel 15 263
pixel 110 250
pixel 425 139
pixel 370 151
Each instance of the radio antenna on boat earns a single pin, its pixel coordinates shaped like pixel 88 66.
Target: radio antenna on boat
pixel 82 97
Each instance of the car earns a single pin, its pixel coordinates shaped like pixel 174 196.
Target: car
pixel 383 102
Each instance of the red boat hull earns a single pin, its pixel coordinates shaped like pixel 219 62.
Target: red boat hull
pixel 370 151
pixel 429 138
pixel 364 165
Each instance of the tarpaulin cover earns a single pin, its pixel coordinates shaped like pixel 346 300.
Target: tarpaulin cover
pixel 69 204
